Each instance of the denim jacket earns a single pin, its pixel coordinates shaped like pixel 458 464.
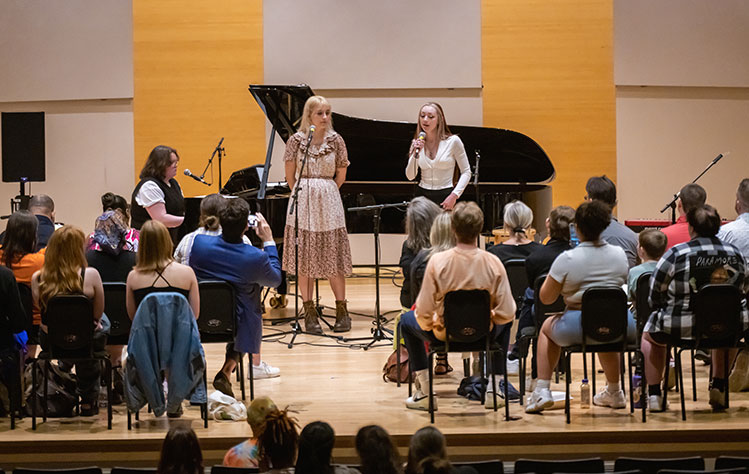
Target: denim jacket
pixel 164 338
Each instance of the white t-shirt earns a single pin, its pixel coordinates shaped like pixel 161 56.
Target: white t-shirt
pixel 587 265
pixel 149 194
pixel 737 233
pixel 437 172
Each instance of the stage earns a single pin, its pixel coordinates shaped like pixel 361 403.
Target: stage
pixel 325 379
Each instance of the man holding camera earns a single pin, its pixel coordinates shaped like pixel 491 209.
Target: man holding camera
pixel 248 269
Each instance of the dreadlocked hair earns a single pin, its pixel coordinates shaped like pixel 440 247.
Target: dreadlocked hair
pixel 278 440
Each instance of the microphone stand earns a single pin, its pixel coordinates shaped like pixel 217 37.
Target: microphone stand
pixel 378 332
pixel 672 204
pixel 221 154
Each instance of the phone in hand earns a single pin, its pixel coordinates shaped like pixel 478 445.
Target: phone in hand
pixel 574 239
pixel 252 220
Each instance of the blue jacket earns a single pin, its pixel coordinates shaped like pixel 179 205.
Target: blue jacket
pixel 164 338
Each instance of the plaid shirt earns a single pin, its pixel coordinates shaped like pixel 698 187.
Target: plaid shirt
pixel 681 272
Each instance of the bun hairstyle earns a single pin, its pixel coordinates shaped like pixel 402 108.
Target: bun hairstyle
pixel 560 219
pixel 518 217
pixel 111 201
pixel 210 207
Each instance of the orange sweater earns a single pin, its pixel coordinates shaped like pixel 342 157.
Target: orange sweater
pixel 23 271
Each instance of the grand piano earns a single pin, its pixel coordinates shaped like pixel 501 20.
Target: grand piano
pixel 510 165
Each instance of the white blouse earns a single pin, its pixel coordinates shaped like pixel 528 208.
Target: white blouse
pixel 437 172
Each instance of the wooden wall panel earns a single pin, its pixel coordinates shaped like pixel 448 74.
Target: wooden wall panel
pixel 193 61
pixel 548 73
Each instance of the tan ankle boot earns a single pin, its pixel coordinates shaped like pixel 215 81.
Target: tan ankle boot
pixel 311 323
pixel 342 319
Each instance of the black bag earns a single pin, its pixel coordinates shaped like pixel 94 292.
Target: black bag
pixel 61 391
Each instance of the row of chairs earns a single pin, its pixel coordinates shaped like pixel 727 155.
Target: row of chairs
pixel 686 465
pixel 69 317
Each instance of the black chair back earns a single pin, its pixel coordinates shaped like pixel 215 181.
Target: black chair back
pixel 518 278
pixel 467 315
pixel 717 311
pixel 736 470
pixel 77 470
pixel 652 466
pixel 642 300
pixel 116 310
pixel 134 470
pixel 587 466
pixel 217 321
pixel 542 311
pixel 216 469
pixel 70 326
pixel 604 315
pixel 731 462
pixel 493 466
pixel 27 301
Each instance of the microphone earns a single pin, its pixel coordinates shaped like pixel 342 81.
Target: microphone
pixel 721 155
pixel 422 136
pixel 310 134
pixel 220 142
pixel 196 178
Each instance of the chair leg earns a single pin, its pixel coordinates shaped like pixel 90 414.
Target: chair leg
pixel 643 390
pixel 108 370
pixel 251 373
pixel 568 369
pixel 467 367
pixel 725 372
pixel 631 384
pixel 240 369
pixel 521 374
pixel 592 372
pixel 694 377
pixel 622 372
pixel 506 389
pixel 665 378
pixel 431 395
pixel 34 398
pixel 46 388
pixel 680 373
pixel 129 421
pixel 397 355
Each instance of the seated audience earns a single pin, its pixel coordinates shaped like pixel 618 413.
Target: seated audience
pixel 419 217
pixel 247 269
pixel 43 208
pixel 537 264
pixel 427 452
pixel 180 452
pixel 463 267
pixel 601 188
pixel 315 449
pixel 13 318
pixel 691 196
pixel 156 271
pixel 116 221
pixel 65 273
pixel 20 255
pixel 652 245
pixel 678 276
pixel 245 453
pixel 593 263
pixel 377 451
pixel 441 237
pixel 518 218
pixel 278 442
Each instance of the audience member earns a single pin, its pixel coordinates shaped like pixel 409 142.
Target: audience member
pixel 64 273
pixel 592 263
pixel 116 222
pixel 13 319
pixel 427 452
pixel 441 237
pixel 43 207
pixel 156 271
pixel 652 245
pixel 419 217
pixel 601 188
pixel 315 449
pixel 158 195
pixel 245 454
pixel 463 267
pixel 278 442
pixel 678 276
pixel 691 197
pixel 180 452
pixel 247 269
pixel 377 451
pixel 537 264
pixel 518 219
pixel 19 254
pixel 209 225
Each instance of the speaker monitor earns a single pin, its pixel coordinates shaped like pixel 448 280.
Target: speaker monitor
pixel 23 146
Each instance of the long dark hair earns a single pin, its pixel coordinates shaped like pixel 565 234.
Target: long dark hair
pixel 377 452
pixel 20 237
pixel 428 442
pixel 315 447
pixel 180 452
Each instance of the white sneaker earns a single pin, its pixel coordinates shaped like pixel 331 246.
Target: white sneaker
pixel 604 398
pixel 513 367
pixel 265 371
pixel 539 400
pixel 738 380
pixel 420 401
pixel 655 403
pixel 489 400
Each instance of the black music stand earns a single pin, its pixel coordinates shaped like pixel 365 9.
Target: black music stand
pixel 379 333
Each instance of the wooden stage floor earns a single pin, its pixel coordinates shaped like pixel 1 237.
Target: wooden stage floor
pixel 325 379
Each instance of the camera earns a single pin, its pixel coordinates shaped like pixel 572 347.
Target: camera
pixel 252 220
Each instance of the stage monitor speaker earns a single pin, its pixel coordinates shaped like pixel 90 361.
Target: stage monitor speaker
pixel 23 146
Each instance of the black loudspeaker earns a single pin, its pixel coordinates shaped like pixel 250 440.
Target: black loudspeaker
pixel 23 146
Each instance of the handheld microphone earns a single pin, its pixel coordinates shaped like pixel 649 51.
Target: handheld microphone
pixel 422 136
pixel 196 178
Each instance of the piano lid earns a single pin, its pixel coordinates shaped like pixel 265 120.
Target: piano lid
pixel 378 149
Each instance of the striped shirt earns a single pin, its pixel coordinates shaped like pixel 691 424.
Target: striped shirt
pixel 681 272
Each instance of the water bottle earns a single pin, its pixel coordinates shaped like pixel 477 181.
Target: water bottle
pixel 584 394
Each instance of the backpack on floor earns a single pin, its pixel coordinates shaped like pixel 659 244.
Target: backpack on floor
pixel 61 391
pixel 390 370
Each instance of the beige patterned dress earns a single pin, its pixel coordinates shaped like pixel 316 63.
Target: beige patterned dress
pixel 323 242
